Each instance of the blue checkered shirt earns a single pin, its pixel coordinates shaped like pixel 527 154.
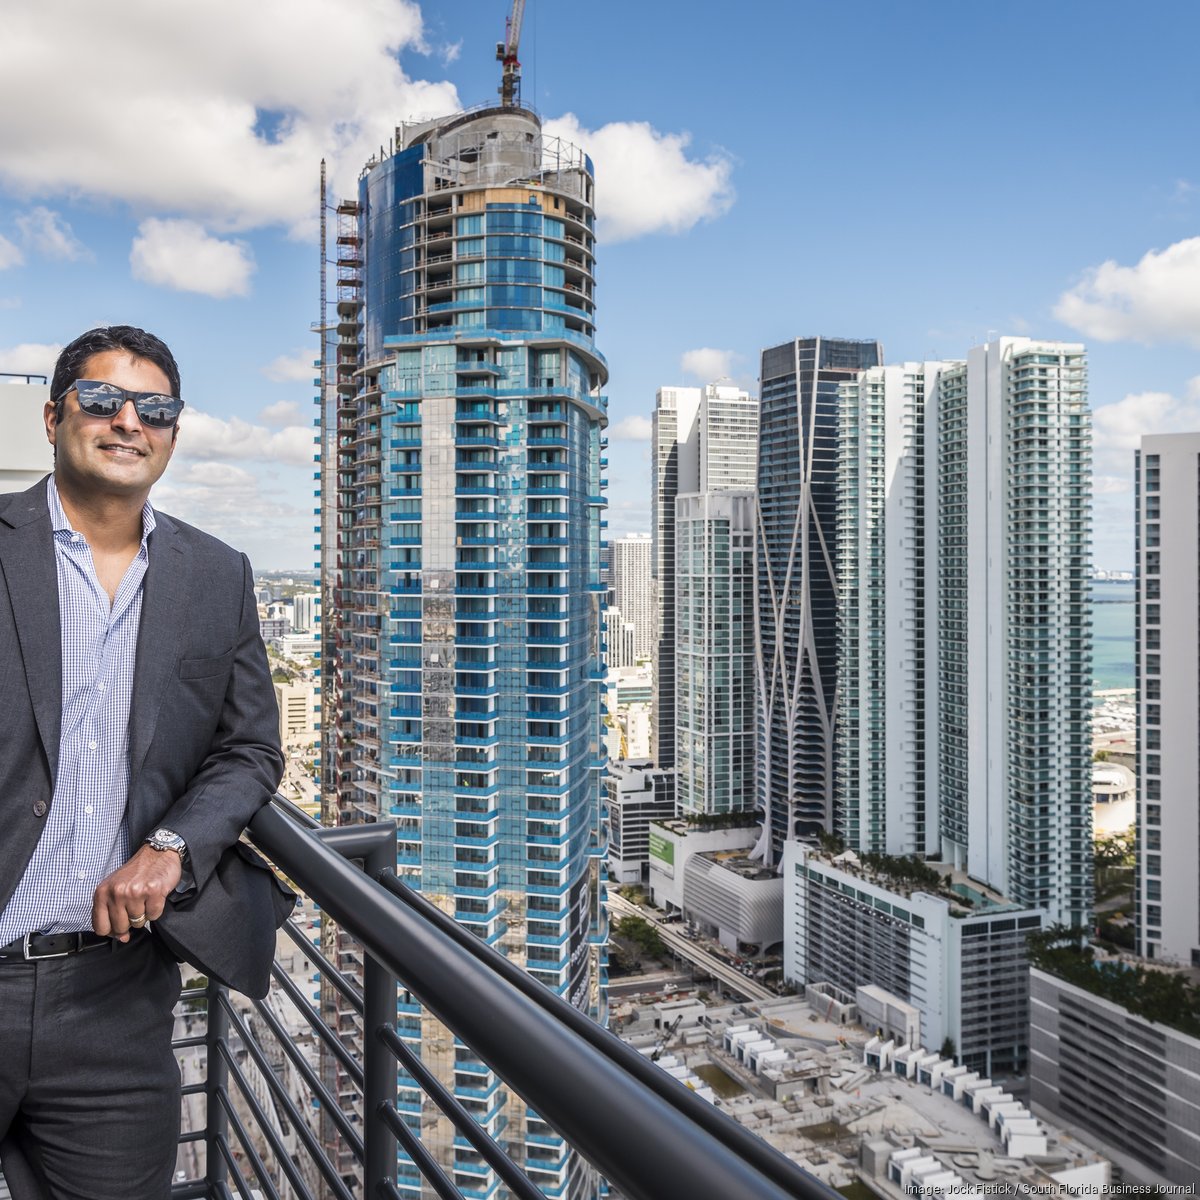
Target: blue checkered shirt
pixel 86 837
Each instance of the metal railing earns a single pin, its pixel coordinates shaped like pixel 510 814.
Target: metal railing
pixel 647 1134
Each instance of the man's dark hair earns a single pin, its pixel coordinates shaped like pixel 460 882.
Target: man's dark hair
pixel 136 341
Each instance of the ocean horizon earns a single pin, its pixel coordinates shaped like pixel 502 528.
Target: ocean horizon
pixel 1112 634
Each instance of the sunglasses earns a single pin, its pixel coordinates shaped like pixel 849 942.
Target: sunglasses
pixel 99 399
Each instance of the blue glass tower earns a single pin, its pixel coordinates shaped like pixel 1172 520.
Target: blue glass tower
pixel 469 516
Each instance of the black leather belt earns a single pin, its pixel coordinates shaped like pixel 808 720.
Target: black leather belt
pixel 35 946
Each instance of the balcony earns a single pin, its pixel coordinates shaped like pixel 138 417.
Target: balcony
pixel 638 1127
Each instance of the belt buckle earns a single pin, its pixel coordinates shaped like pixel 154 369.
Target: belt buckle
pixel 30 956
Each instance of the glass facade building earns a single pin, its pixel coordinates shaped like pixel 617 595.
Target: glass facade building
pixel 796 599
pixel 468 532
pixel 1014 605
pixel 714 652
pixel 964 559
pixel 888 629
pixel 703 440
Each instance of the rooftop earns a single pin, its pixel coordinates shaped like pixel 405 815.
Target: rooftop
pixel 739 863
pixel 908 876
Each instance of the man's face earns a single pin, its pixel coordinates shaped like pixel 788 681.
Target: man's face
pixel 110 456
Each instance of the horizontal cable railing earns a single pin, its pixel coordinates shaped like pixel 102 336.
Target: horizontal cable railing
pixel 276 1126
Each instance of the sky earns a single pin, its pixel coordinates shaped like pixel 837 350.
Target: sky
pixel 930 174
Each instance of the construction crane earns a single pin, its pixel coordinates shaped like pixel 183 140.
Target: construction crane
pixel 665 1040
pixel 506 52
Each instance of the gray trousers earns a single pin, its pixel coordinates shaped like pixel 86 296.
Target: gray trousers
pixel 89 1085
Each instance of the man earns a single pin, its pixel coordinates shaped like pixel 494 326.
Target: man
pixel 140 736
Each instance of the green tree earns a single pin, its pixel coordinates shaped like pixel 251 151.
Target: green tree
pixel 641 933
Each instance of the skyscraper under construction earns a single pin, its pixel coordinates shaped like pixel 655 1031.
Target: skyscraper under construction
pixel 462 538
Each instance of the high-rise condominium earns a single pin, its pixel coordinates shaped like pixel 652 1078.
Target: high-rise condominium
pixel 886 713
pixel 631 589
pixel 964 573
pixel 1168 677
pixel 714 652
pixel 797 581
pixel 468 519
pixel 703 440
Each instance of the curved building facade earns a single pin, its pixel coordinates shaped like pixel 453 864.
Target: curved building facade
pixel 469 515
pixel 797 597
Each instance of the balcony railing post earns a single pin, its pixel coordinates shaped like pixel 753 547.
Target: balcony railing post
pixel 216 1084
pixel 379 1068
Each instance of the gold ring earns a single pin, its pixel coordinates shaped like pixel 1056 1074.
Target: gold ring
pixel 137 922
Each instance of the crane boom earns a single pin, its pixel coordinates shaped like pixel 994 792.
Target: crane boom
pixel 513 28
pixel 506 52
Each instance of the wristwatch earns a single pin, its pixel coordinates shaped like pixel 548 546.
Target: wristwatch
pixel 168 839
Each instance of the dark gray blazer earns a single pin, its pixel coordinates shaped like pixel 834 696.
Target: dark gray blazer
pixel 203 728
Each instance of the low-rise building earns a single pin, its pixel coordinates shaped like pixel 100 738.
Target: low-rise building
pixel 1126 1085
pixel 1114 798
pixel 705 873
pixel 298 712
pixel 629 700
pixel 953 949
pixel 295 645
pixel 636 797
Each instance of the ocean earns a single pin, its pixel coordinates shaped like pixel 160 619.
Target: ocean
pixel 1112 634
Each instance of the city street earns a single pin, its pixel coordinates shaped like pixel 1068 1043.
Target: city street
pixel 730 977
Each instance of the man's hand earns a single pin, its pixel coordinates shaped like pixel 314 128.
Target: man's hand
pixel 135 893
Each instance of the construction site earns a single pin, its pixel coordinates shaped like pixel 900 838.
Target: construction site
pixel 806 1076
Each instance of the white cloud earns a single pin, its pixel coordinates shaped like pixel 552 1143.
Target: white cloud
pixel 10 254
pixel 707 364
pixel 248 509
pixel 1156 300
pixel 1117 431
pixel 180 255
pixel 450 51
pixel 204 438
pixel 296 367
pixel 646 183
pixel 220 112
pixel 33 358
pixel 285 412
pixel 214 474
pixel 1193 388
pixel 50 235
pixel 631 429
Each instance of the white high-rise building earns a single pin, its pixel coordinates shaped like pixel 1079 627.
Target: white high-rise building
pixel 704 440
pixel 1168 674
pixel 306 611
pixel 886 716
pixel 714 652
pixel 631 589
pixel 619 637
pixel 964 687
pixel 964 618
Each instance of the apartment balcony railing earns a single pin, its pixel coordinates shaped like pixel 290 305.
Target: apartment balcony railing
pixel 646 1133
